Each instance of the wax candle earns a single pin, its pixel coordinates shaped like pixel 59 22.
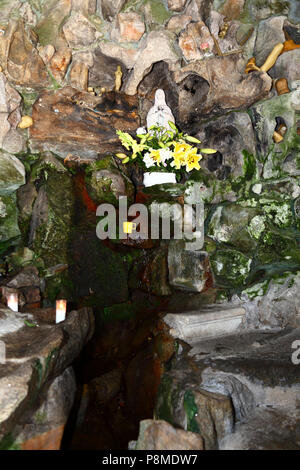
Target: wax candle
pixel 61 310
pixel 12 301
pixel 129 227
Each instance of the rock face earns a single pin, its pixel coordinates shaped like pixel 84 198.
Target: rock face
pixel 207 87
pixel 45 353
pixel 160 435
pixel 273 304
pixel 109 183
pixel 188 269
pixel 157 47
pixel 231 135
pixel 24 65
pixel 89 122
pixel 43 429
pixel 12 173
pixel 231 391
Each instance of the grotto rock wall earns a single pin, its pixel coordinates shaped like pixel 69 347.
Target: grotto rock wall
pixel 82 69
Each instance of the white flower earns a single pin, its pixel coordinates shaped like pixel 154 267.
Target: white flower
pixel 165 154
pixel 140 131
pixel 148 160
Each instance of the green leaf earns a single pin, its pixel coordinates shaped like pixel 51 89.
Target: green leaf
pixel 126 160
pixel 189 138
pixel 208 151
pixel 31 325
pixel 172 125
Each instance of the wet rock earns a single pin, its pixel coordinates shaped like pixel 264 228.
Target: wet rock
pixel 32 295
pixel 46 53
pixel 229 135
pixel 131 27
pixel 102 71
pixel 24 64
pixel 259 11
pixel 10 116
pixel 286 66
pixel 60 62
pixel 28 277
pixel 185 404
pixel 195 41
pixel 107 386
pixel 270 32
pixel 151 273
pixel 111 9
pixel 272 304
pixel 9 228
pixel 89 123
pixel 43 429
pixel 214 417
pixel 176 5
pixel 114 55
pixel 86 7
pixel 189 270
pixel 54 346
pixel 14 142
pixel 79 76
pixel 231 268
pixel 108 185
pixel 12 173
pixel 26 196
pixel 144 373
pixel 51 221
pixel 79 31
pixel 160 435
pixel 233 9
pixel 263 117
pixel 155 13
pixel 157 47
pixel 230 224
pixel 49 27
pixel 178 23
pixel 215 86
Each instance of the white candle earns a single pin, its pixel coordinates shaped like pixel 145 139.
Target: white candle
pixel 12 302
pixel 61 310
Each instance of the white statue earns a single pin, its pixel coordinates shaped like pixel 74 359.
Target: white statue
pixel 160 114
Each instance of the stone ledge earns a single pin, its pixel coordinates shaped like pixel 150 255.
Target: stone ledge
pixel 210 322
pixel 35 356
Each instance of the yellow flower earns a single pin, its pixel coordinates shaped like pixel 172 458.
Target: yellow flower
pixel 155 155
pixel 180 148
pixel 192 160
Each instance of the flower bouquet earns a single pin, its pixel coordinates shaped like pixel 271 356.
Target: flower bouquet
pixel 163 150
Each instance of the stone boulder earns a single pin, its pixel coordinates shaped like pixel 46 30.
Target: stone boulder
pixel 272 303
pixel 230 136
pixel 213 86
pixel 111 9
pixel 9 229
pixel 286 66
pixel 25 67
pixel 12 173
pixel 35 356
pixel 160 435
pixel 89 123
pixel 156 47
pixel 78 31
pixel 188 270
pixel 43 429
pixel 106 183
